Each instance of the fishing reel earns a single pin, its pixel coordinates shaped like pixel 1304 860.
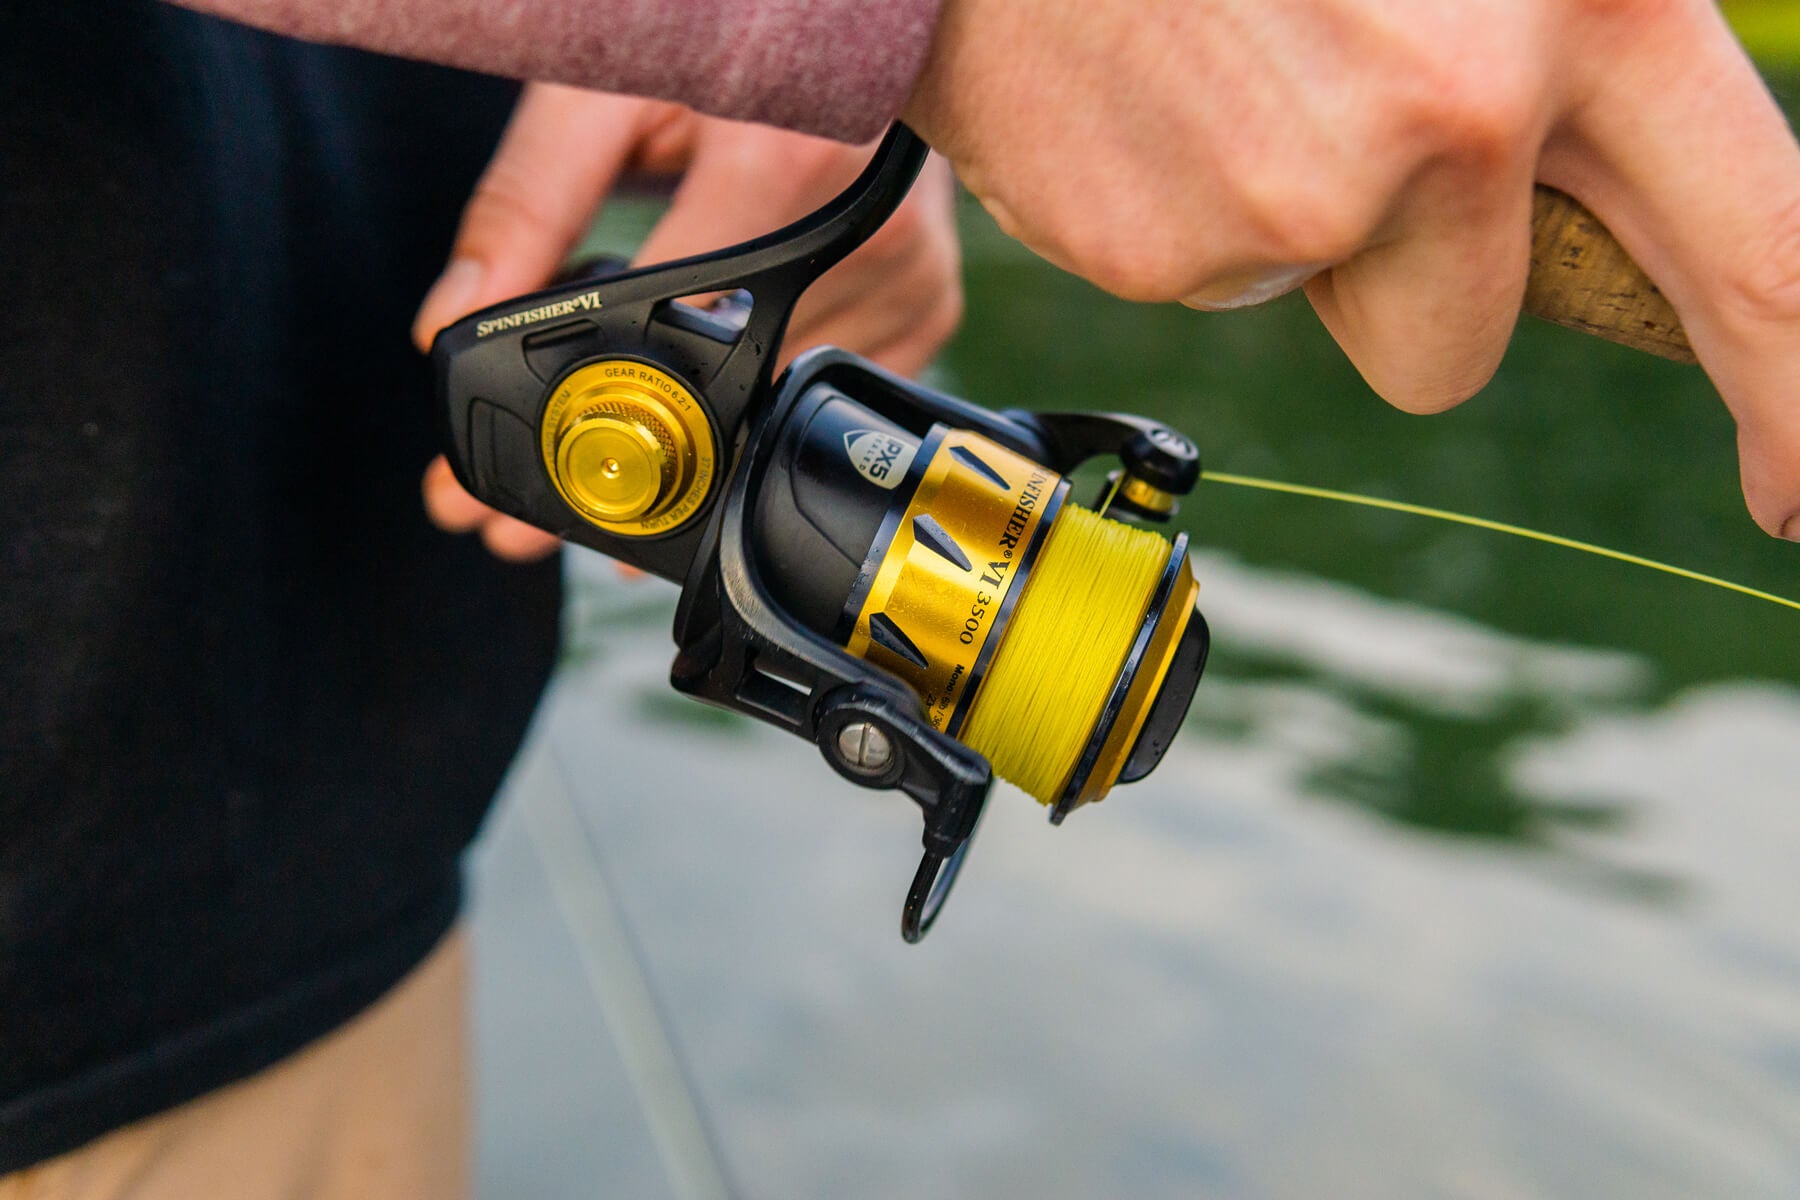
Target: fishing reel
pixel 892 573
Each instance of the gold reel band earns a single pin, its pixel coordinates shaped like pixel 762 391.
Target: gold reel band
pixel 1037 632
pixel 945 571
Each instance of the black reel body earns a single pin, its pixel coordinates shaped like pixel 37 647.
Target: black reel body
pixel 852 547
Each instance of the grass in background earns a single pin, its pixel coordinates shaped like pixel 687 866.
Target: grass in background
pixel 1770 29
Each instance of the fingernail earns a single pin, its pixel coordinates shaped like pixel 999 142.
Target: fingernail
pixel 1791 531
pixel 1251 288
pixel 450 297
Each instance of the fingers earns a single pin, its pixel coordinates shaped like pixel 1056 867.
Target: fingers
pixel 560 154
pixel 515 541
pixel 745 181
pixel 1426 316
pixel 452 509
pixel 1678 147
pixel 742 181
pixel 898 298
pixel 447 503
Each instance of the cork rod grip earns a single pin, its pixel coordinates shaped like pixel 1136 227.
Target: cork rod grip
pixel 1582 278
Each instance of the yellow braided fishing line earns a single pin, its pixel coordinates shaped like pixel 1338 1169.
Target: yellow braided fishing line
pixel 1417 510
pixel 1062 652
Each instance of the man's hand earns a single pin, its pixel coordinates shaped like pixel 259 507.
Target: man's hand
pixel 897 299
pixel 1382 152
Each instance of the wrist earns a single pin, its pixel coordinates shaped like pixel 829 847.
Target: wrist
pixel 930 107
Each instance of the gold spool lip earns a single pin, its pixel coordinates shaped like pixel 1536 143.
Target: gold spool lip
pixel 1140 680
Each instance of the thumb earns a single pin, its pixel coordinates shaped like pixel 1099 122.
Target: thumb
pixel 560 154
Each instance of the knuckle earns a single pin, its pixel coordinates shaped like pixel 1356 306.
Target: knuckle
pixel 1131 279
pixel 503 200
pixel 1114 237
pixel 1765 286
pixel 1482 117
pixel 1133 266
pixel 1302 225
pixel 1307 209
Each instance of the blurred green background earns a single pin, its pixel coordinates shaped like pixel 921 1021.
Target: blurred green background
pixel 1770 29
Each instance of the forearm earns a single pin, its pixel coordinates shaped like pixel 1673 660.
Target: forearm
pixel 840 68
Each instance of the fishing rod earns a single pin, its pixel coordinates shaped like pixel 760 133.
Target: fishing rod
pixel 894 574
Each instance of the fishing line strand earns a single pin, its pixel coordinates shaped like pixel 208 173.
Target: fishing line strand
pixel 1439 514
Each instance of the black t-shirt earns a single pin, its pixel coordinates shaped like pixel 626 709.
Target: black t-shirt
pixel 252 706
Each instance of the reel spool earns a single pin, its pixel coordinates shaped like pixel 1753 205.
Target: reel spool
pixel 897 575
pixel 1042 635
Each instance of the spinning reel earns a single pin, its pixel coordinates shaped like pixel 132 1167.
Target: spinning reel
pixel 892 573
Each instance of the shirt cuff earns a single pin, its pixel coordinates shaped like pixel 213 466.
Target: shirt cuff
pixel 838 68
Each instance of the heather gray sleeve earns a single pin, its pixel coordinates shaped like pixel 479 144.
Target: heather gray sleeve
pixel 841 68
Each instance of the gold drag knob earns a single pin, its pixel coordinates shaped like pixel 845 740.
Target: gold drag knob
pixel 628 447
pixel 614 466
